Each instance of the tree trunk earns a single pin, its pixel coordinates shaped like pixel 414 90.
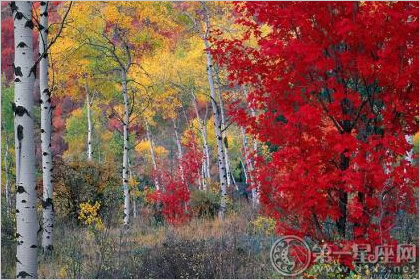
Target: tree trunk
pixel 179 146
pixel 249 166
pixel 89 119
pixel 26 198
pixel 134 198
pixel 222 114
pixel 152 154
pixel 343 199
pixel 245 171
pixel 218 129
pixel 251 163
pixel 203 132
pixel 126 149
pixel 46 122
pixel 7 181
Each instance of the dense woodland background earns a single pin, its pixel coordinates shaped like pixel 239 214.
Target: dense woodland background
pixel 181 139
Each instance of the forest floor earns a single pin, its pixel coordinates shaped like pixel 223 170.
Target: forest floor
pixel 201 248
pixel 236 247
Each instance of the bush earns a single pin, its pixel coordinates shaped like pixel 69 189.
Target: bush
pixel 79 182
pixel 204 203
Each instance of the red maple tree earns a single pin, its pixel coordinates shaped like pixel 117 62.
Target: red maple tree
pixel 335 85
pixel 175 193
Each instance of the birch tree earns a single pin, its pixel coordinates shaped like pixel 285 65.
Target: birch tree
pixel 203 131
pixel 152 154
pixel 46 123
pixel 7 180
pixel 47 193
pixel 89 122
pixel 217 116
pixel 179 147
pixel 116 32
pixel 26 198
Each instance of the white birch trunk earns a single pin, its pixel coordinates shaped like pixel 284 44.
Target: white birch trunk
pixel 89 119
pixel 218 129
pixel 256 194
pixel 250 168
pixel 203 132
pixel 26 198
pixel 179 146
pixel 126 149
pixel 134 208
pixel 152 154
pixel 222 115
pixel 7 181
pixel 245 171
pixel 46 129
pixel 134 198
pixel 203 173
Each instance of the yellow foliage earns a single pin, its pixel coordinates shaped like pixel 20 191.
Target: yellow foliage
pixel 62 274
pixel 77 113
pixel 132 182
pixel 161 151
pixel 106 136
pixel 143 148
pixel 89 215
pixel 264 225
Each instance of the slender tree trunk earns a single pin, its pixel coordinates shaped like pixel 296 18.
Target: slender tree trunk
pixel 245 171
pixel 134 208
pixel 217 126
pixel 7 181
pixel 250 168
pixel 256 193
pixel 26 198
pixel 126 149
pixel 203 132
pixel 179 146
pixel 203 174
pixel 133 197
pixel 152 154
pixel 46 122
pixel 89 119
pixel 222 114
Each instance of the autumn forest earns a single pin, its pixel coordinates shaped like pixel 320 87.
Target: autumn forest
pixel 209 139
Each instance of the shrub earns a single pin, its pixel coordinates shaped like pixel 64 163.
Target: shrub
pixel 204 203
pixel 78 182
pixel 264 225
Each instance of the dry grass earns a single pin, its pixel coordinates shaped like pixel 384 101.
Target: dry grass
pixel 201 229
pixel 202 248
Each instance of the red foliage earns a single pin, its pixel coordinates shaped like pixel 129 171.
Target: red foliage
pixel 175 195
pixel 57 118
pixel 336 88
pixel 7 48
